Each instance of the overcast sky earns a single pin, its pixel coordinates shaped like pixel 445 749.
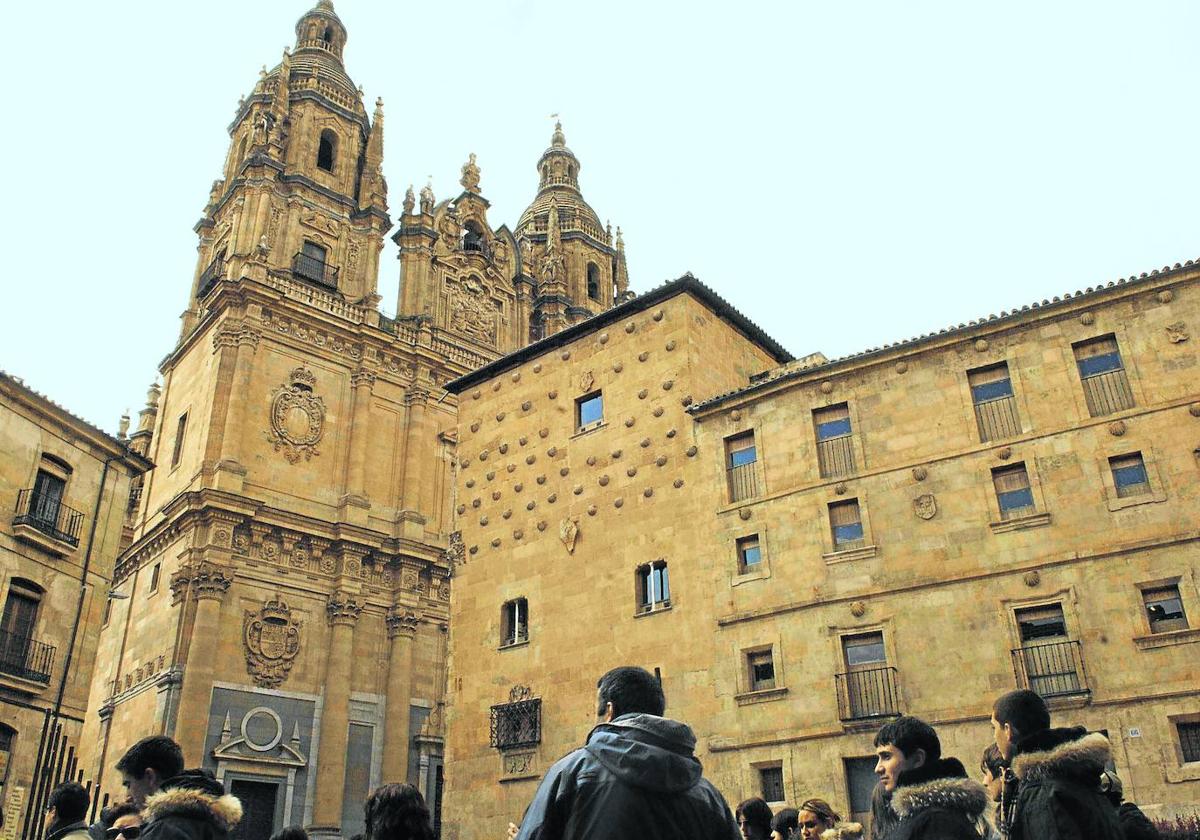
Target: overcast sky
pixel 846 174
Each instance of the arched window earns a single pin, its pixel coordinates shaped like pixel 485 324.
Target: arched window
pixel 20 614
pixel 473 238
pixel 327 150
pixel 241 152
pixel 593 281
pixel 327 37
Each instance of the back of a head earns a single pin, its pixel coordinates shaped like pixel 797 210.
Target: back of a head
pixel 70 802
pixel 158 752
pixel 991 761
pixel 1024 710
pixel 755 811
pixel 397 812
pixel 822 810
pixel 291 832
pixel 785 821
pixel 112 813
pixel 631 690
pixel 909 734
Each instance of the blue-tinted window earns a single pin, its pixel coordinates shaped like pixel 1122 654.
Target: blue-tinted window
pixel 833 428
pixel 744 456
pixel 989 391
pixel 864 650
pixel 590 409
pixel 1100 364
pixel 751 555
pixel 847 533
pixel 1129 475
pixel 1016 499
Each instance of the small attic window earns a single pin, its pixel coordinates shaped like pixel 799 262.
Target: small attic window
pixel 327 150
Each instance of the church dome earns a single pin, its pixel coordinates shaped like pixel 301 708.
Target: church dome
pixel 559 185
pixel 316 61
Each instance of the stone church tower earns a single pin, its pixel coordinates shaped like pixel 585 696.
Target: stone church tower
pixel 281 605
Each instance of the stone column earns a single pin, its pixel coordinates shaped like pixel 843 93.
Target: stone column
pixel 419 450
pixel 208 584
pixel 342 610
pixel 363 383
pixel 229 443
pixel 401 628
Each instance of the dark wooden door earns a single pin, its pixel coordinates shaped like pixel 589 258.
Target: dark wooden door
pixel 258 809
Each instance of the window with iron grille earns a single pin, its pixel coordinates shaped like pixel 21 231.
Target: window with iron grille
pixel 1105 383
pixel 514 622
pixel 835 454
pixel 995 405
pixel 1189 740
pixel 741 456
pixel 517 724
pixel 845 524
pixel 1129 475
pixel 653 586
pixel 761 666
pixel 749 554
pixel 1013 492
pixel 771 782
pixel 1164 609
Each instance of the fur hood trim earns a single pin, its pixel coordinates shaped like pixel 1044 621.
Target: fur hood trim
pixel 966 796
pixel 224 812
pixel 1083 757
pixel 843 831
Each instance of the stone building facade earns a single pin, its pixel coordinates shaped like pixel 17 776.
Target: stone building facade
pixel 64 485
pixel 804 549
pixel 284 591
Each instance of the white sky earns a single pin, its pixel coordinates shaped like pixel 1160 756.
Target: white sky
pixel 846 174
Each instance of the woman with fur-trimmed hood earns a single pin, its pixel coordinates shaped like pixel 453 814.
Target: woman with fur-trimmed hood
pixel 191 806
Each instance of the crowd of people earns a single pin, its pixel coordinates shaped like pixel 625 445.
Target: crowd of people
pixel 637 776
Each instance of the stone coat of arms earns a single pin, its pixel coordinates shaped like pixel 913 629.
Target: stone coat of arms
pixel 925 506
pixel 297 417
pixel 272 640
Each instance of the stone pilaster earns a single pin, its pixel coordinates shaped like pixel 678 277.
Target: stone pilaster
pixel 401 628
pixel 207 584
pixel 363 383
pixel 342 610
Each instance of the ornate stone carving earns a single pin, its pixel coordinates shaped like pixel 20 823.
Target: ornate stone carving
pixel 518 693
pixel 858 609
pixel 427 199
pixel 470 175
pixel 586 380
pixel 320 222
pixel 297 417
pixel 343 608
pixel 920 473
pixel 271 639
pixel 455 554
pixel 401 622
pixel 1165 296
pixel 981 345
pixel 925 506
pixel 410 201
pixel 568 532
pixel 1117 428
pixel 1177 332
pixel 471 311
pixel 1033 578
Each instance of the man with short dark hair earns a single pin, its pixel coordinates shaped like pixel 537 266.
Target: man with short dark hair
pixel 635 776
pixel 147 764
pixel 66 812
pixel 931 795
pixel 1058 773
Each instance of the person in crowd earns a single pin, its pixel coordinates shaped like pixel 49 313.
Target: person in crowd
pixel 147 764
pixel 66 812
pixel 123 821
pixel 783 824
pixel 1057 771
pixel 191 805
pixel 816 817
pixel 1134 824
pixel 636 775
pixel 883 818
pixel 397 812
pixel 294 832
pixel 931 795
pixel 754 818
pixel 1001 786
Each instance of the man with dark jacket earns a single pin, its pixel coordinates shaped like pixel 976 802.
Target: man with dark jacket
pixel 1058 773
pixel 191 806
pixel 636 775
pixel 147 764
pixel 931 795
pixel 66 812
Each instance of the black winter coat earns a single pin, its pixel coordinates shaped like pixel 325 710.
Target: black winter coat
pixel 938 802
pixel 635 777
pixel 1134 824
pixel 1059 795
pixel 191 806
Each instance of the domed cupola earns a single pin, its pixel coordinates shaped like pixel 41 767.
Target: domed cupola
pixel 316 61
pixel 559 184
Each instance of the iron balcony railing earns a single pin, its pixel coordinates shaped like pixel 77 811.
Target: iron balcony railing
pixel 836 456
pixel 1052 669
pixel 517 724
pixel 1107 392
pixel 997 419
pixel 743 482
pixel 26 658
pixel 475 246
pixel 210 276
pixel 314 270
pixel 49 515
pixel 868 693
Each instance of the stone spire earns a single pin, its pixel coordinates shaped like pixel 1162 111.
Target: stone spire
pixel 374 187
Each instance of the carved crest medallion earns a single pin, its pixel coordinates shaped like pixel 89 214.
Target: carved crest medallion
pixel 272 640
pixel 586 380
pixel 568 532
pixel 471 311
pixel 1177 332
pixel 297 417
pixel 925 506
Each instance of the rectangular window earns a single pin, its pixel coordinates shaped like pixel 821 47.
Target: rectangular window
pixel 653 586
pixel 741 455
pixel 761 665
pixel 514 622
pixel 589 411
pixel 771 783
pixel 517 723
pixel 860 782
pixel 868 688
pixel 1105 383
pixel 749 554
pixel 180 432
pixel 835 455
pixel 1048 660
pixel 1013 491
pixel 1164 608
pixel 995 405
pixel 1189 740
pixel 1129 475
pixel 845 523
pixel 44 507
pixel 154 573
pixel 1042 623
